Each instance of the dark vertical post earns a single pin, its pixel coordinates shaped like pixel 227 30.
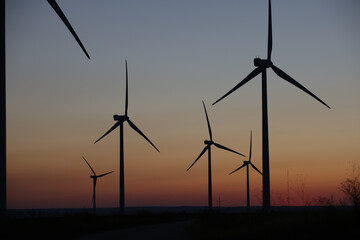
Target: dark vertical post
pixel 247 187
pixel 122 187
pixel 209 173
pixel 2 112
pixel 288 187
pixel 265 145
pixel 94 196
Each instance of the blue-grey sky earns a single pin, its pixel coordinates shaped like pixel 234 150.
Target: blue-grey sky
pixel 179 53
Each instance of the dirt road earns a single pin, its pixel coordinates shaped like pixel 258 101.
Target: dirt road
pixel 174 231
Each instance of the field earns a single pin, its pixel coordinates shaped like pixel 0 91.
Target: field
pixel 322 223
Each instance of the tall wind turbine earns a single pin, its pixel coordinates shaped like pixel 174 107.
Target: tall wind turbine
pixel 261 66
pixel 208 144
pixel 247 163
pixel 57 9
pixel 95 177
pixel 120 119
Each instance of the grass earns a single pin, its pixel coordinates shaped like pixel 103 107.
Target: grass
pixel 71 227
pixel 330 223
pixel 279 225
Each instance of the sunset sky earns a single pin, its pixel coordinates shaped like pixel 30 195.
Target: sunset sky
pixel 179 53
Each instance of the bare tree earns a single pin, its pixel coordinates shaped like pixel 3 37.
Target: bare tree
pixel 324 201
pixel 299 188
pixel 351 185
pixel 277 198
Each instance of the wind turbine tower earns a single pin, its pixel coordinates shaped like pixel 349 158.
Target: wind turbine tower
pixel 94 178
pixel 261 66
pixel 208 144
pixel 120 120
pixel 246 164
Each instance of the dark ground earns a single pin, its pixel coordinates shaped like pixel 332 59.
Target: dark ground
pixel 322 224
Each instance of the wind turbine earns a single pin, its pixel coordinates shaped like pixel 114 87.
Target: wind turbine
pixel 247 163
pixel 208 144
pixel 120 119
pixel 261 66
pixel 57 9
pixel 95 177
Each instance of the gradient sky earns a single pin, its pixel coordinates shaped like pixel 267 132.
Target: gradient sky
pixel 179 53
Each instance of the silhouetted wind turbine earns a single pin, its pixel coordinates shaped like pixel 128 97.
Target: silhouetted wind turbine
pixel 57 9
pixel 208 144
pixel 247 163
pixel 120 119
pixel 261 66
pixel 95 177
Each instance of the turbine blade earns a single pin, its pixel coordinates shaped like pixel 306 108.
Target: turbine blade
pixel 105 174
pixel 60 13
pixel 255 168
pixel 228 149
pixel 207 119
pixel 253 74
pixel 202 152
pixel 286 77
pixel 126 96
pixel 89 166
pixel 238 169
pixel 269 33
pixel 109 131
pixel 132 125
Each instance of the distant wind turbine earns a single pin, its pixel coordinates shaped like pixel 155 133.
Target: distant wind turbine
pixel 261 66
pixel 57 9
pixel 120 119
pixel 247 163
pixel 95 177
pixel 208 144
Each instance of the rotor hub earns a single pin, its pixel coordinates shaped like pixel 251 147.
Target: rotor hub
pixel 264 63
pixel 121 118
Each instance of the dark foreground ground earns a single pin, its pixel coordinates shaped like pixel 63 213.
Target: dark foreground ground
pixel 306 224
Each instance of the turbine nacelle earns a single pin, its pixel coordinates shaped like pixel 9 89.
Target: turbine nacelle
pixel 208 142
pixel 264 63
pixel 121 118
pixel 93 176
pixel 246 162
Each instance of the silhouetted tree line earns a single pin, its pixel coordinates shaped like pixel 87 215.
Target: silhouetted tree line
pixel 351 185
